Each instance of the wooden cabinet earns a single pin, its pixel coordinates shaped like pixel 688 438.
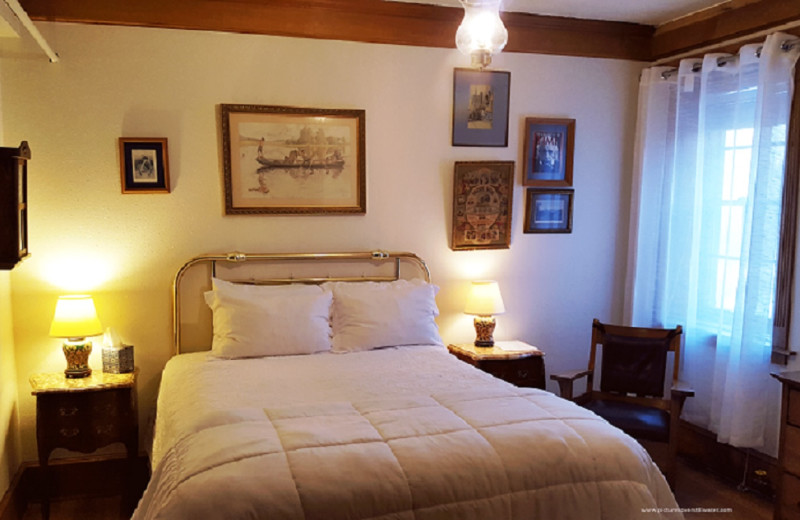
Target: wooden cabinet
pixel 524 367
pixel 84 415
pixel 787 501
pixel 13 205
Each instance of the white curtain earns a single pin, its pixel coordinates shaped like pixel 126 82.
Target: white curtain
pixel 710 153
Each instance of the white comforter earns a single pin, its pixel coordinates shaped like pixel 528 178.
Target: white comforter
pixel 406 433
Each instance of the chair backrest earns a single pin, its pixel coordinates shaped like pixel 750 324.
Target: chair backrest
pixel 634 359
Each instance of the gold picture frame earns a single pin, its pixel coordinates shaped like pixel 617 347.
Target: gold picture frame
pixel 291 160
pixel 144 164
pixel 483 193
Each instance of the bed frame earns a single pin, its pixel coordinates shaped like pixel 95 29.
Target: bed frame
pixel 311 268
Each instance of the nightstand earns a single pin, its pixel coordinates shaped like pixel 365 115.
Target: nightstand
pixel 84 415
pixel 787 505
pixel 523 367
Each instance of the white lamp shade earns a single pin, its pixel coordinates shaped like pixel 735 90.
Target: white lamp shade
pixel 75 317
pixel 481 29
pixel 484 299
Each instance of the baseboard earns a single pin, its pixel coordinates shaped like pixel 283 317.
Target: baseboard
pixel 15 500
pixel 78 477
pixel 700 448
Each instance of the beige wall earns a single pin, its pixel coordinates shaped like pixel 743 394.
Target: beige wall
pixel 9 427
pixel 124 249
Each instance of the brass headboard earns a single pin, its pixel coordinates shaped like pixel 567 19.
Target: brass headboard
pixel 383 266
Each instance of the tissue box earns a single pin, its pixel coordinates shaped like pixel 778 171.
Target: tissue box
pixel 118 360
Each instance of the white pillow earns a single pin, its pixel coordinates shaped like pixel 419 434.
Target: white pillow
pixel 250 292
pixel 270 326
pixel 367 315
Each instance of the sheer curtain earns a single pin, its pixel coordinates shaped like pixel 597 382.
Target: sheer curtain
pixel 710 152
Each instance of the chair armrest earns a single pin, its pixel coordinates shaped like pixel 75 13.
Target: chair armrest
pixel 565 381
pixel 681 390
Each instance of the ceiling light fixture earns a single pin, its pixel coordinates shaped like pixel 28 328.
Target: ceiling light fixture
pixel 481 33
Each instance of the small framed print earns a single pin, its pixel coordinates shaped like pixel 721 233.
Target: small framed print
pixel 548 211
pixel 144 165
pixel 480 107
pixel 482 196
pixel 549 145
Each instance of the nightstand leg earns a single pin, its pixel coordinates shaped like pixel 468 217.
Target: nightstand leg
pixel 47 483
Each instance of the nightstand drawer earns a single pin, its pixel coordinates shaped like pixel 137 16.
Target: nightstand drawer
pixel 522 372
pixel 84 421
pixel 794 407
pixel 791 450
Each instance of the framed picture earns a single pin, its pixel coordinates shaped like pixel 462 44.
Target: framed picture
pixel 480 107
pixel 144 165
pixel 482 196
pixel 548 211
pixel 548 152
pixel 293 160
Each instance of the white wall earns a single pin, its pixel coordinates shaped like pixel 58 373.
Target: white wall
pixel 9 427
pixel 124 249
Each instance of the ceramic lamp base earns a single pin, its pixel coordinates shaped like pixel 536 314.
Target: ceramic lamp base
pixel 77 354
pixel 484 331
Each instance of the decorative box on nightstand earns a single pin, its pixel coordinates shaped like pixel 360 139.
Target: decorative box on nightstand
pixel 84 415
pixel 522 367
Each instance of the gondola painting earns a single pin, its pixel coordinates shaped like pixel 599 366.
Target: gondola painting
pixel 293 160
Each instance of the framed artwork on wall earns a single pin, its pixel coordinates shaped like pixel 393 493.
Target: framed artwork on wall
pixel 548 211
pixel 549 145
pixel 144 164
pixel 482 196
pixel 480 107
pixel 291 160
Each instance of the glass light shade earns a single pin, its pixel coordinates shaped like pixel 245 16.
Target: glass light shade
pixel 75 317
pixel 481 33
pixel 484 299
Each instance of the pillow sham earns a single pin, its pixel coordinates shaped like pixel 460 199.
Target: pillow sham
pixel 250 292
pixel 368 315
pixel 270 326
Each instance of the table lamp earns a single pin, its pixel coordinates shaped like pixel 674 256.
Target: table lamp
pixel 75 319
pixel 484 301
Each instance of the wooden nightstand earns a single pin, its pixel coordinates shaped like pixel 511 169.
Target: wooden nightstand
pixel 787 501
pixel 521 368
pixel 84 415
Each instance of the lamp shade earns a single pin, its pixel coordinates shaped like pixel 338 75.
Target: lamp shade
pixel 481 33
pixel 75 317
pixel 484 299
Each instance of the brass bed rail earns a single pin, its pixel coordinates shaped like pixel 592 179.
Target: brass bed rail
pixel 235 258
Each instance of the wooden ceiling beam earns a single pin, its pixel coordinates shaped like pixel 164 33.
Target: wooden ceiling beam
pixel 403 23
pixel 736 19
pixel 373 21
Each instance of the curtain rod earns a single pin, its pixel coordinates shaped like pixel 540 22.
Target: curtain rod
pixel 786 46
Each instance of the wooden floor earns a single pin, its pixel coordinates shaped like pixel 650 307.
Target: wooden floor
pixel 695 490
pixel 716 499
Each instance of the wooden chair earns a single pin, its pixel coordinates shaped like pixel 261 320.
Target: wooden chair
pixel 631 396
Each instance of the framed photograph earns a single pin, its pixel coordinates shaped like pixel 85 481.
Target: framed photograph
pixel 482 196
pixel 548 211
pixel 548 152
pixel 144 165
pixel 293 160
pixel 480 107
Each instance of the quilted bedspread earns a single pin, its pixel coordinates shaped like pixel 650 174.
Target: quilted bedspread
pixel 455 444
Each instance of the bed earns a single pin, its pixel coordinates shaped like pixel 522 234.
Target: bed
pixel 380 422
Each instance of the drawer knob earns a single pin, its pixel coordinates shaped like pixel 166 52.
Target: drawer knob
pixel 104 429
pixel 69 432
pixel 522 373
pixel 67 411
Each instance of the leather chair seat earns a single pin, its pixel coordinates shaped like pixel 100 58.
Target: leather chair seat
pixel 639 421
